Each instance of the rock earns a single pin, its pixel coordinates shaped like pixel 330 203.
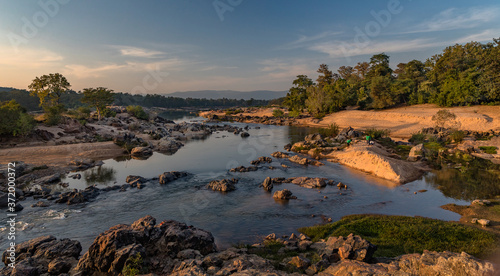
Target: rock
pixel 141 151
pixel 299 160
pixel 417 153
pixel 167 177
pixel 288 147
pixel 314 137
pixel 283 195
pixel 168 144
pixel 341 186
pixel 300 262
pixel 481 202
pixel 82 164
pixel 78 196
pixel 244 169
pixel 279 154
pixel 135 179
pixel 308 182
pixel 244 134
pixel 158 245
pixel 483 222
pixel 44 254
pixel 224 185
pixel 352 247
pixel 40 204
pixel 262 159
pixel 267 184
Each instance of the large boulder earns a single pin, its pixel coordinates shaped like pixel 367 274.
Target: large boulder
pixel 308 182
pixel 157 244
pixel 283 195
pixel 352 247
pixel 42 255
pixel 417 152
pixel 267 184
pixel 169 145
pixel 167 177
pixel 141 151
pixel 313 137
pixel 299 160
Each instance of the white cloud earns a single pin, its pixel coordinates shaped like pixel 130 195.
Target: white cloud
pixel 484 36
pixel 453 19
pixel 130 51
pixel 343 49
pixel 279 69
pixel 304 41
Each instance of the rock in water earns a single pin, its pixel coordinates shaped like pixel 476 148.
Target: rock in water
pixel 283 195
pixel 224 185
pixel 267 184
pixel 299 160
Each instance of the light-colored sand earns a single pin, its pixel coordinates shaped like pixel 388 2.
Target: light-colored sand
pixel 60 155
pixel 402 121
pixel 405 121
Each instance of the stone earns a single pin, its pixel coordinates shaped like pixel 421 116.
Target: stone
pixel 224 185
pixel 279 154
pixel 267 184
pixel 417 152
pixel 299 160
pixel 351 247
pixel 141 151
pixel 244 134
pixel 308 182
pixel 40 204
pixel 167 177
pixel 283 195
pixel 300 262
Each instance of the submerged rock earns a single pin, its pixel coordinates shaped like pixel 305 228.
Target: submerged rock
pixel 224 185
pixel 283 195
pixel 166 177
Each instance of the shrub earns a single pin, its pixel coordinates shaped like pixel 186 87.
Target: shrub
pixel 108 113
pixel 377 133
pixel 294 113
pixel 134 266
pixel 278 113
pixel 331 131
pixel 457 136
pixel 53 114
pixel 138 112
pixel 233 111
pixel 444 118
pixel 490 150
pixel 417 138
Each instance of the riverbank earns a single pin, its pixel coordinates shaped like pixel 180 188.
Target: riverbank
pixel 401 121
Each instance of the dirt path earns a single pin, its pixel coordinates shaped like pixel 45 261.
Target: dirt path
pixel 60 155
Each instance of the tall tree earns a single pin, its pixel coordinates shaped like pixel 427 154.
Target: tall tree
pixel 49 88
pixel 98 97
pixel 296 97
pixel 326 76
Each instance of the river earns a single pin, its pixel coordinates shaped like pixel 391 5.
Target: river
pixel 241 216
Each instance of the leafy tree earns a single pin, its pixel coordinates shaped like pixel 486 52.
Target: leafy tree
pixel 14 120
pixel 98 97
pixel 380 92
pixel 49 88
pixel 296 97
pixel 326 76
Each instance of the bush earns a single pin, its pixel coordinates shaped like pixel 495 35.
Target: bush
pixel 377 133
pixel 233 111
pixel 278 113
pixel 332 130
pixel 14 119
pixel 53 114
pixel 134 266
pixel 138 112
pixel 294 113
pixel 444 118
pixel 457 136
pixel 417 138
pixel 490 150
pixel 81 113
pixel 108 113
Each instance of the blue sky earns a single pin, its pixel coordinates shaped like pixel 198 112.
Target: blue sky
pixel 166 46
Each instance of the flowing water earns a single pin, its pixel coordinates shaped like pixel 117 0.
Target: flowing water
pixel 243 215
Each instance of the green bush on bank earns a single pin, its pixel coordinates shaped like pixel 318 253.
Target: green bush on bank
pixel 398 235
pixel 138 112
pixel 14 119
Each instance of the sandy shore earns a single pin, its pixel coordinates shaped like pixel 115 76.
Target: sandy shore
pixel 402 121
pixel 60 155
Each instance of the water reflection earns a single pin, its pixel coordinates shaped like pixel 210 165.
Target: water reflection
pixel 297 134
pixel 176 115
pixel 466 184
pixel 99 175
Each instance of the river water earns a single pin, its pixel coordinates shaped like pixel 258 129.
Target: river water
pixel 241 216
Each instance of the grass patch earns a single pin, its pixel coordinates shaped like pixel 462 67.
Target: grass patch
pixel 331 131
pixel 490 150
pixel 378 133
pixel 397 235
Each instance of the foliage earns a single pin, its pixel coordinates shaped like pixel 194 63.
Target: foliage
pixel 278 113
pixel 233 111
pixel 106 112
pixel 81 113
pixel 138 112
pixel 332 130
pixel 417 138
pixel 397 235
pixel 457 136
pixel 49 88
pixel 14 119
pixel 444 118
pixel 133 266
pixel 294 113
pixel 490 150
pixel 377 133
pixel 53 114
pixel 98 98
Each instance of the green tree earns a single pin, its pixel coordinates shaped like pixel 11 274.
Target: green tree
pixel 14 120
pixel 98 97
pixel 380 92
pixel 296 97
pixel 49 88
pixel 326 76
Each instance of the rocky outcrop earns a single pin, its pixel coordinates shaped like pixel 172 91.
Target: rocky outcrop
pixel 299 160
pixel 244 169
pixel 168 145
pixel 167 177
pixel 416 153
pixel 224 185
pixel 42 256
pixel 141 151
pixel 267 184
pixel 309 182
pixel 78 196
pixel 157 244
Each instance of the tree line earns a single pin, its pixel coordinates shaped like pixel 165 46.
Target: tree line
pixel 460 75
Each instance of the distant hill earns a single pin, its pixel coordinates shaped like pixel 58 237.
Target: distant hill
pixel 230 94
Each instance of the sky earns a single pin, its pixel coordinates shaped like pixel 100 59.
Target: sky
pixel 160 47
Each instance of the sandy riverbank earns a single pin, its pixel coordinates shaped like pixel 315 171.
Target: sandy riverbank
pixel 402 121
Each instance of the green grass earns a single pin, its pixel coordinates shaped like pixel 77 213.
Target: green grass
pixel 378 133
pixel 398 235
pixel 490 150
pixel 331 131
